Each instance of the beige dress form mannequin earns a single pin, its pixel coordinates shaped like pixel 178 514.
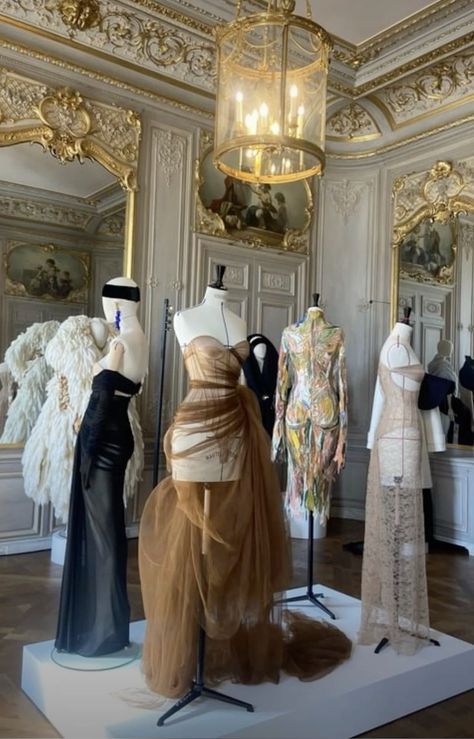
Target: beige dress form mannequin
pixel 394 589
pixel 212 545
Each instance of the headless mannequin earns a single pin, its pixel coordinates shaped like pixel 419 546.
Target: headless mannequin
pixel 211 318
pixel 129 351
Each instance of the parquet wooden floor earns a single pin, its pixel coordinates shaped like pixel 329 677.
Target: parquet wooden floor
pixel 29 595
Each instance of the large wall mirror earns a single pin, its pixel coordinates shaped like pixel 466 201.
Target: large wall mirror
pixel 433 274
pixel 67 180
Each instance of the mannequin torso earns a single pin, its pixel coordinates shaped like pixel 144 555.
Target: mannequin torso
pixel 209 320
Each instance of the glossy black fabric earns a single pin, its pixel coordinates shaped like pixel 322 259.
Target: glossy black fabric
pixel 433 391
pixel 94 612
pixel 466 374
pixel 263 383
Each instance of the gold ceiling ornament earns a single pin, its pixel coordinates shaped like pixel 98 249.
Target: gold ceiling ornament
pixel 352 122
pixel 271 95
pixel 69 125
pixel 79 14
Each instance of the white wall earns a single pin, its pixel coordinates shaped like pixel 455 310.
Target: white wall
pixel 353 269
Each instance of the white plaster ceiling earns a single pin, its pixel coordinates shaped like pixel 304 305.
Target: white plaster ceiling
pixel 30 165
pixel 358 20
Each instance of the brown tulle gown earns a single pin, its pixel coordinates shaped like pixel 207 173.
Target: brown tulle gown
pixel 230 589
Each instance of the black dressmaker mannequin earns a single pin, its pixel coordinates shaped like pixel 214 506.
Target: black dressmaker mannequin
pixel 198 689
pixel 310 594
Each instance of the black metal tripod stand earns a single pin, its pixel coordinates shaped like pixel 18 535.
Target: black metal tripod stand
pixel 310 594
pixel 198 688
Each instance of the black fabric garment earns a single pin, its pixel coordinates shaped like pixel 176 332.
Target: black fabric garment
pixel 466 374
pixel 463 418
pixel 263 383
pixel 94 612
pixel 434 391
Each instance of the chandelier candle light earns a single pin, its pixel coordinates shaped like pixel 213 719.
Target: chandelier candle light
pixel 271 95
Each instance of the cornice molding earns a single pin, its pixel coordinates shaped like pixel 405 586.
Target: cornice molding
pixel 174 42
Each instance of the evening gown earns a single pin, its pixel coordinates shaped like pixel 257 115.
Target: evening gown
pixel 394 587
pixel 229 590
pixel 94 612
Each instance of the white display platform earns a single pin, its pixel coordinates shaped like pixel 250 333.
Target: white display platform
pixel 365 692
pixel 58 546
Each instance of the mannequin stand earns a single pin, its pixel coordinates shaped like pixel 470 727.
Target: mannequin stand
pixel 310 594
pixel 198 688
pixel 383 643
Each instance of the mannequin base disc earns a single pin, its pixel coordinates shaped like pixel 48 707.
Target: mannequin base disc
pixel 95 664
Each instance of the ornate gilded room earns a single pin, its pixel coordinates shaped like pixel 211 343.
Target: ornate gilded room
pixel 237 368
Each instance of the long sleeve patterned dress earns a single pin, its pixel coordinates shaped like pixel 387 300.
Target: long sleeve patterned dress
pixel 310 410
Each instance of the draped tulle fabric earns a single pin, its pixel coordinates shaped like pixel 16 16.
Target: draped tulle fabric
pixel 229 590
pixel 394 587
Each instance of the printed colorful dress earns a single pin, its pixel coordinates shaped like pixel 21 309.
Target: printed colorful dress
pixel 310 411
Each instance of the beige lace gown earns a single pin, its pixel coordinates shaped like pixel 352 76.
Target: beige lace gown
pixel 394 589
pixel 230 589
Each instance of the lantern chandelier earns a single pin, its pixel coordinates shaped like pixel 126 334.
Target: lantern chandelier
pixel 271 95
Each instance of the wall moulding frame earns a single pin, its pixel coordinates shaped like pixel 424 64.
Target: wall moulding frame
pixel 440 194
pixel 73 127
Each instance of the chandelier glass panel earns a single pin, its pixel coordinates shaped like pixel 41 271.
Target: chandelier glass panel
pixel 271 96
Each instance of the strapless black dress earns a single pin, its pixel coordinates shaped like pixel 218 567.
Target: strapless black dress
pixel 94 611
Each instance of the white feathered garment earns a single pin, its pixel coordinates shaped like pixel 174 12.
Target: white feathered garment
pixel 49 452
pixel 26 361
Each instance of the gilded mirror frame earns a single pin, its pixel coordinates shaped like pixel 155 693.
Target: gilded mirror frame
pixel 73 127
pixel 440 195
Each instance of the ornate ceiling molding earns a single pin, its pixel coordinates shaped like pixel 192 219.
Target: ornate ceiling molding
pixel 39 211
pixel 435 88
pixel 176 43
pixel 352 123
pixel 69 125
pixel 107 79
pixel 133 36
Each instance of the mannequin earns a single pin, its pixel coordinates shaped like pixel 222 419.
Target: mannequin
pixel 394 590
pixel 311 414
pixel 213 316
pixel 212 546
pixel 30 370
pixel 94 611
pixel 261 370
pixel 48 455
pixel 211 319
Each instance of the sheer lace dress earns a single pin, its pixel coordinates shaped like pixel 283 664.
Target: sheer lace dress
pixel 394 589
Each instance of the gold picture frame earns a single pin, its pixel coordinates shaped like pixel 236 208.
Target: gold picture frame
pixel 256 216
pixel 436 196
pixel 46 272
pixel 428 252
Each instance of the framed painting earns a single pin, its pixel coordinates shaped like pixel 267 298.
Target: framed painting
pixel 428 251
pixel 259 215
pixel 46 272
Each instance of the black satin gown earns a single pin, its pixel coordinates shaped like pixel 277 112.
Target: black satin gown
pixel 94 611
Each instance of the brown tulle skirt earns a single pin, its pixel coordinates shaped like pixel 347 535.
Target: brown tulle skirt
pixel 229 590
